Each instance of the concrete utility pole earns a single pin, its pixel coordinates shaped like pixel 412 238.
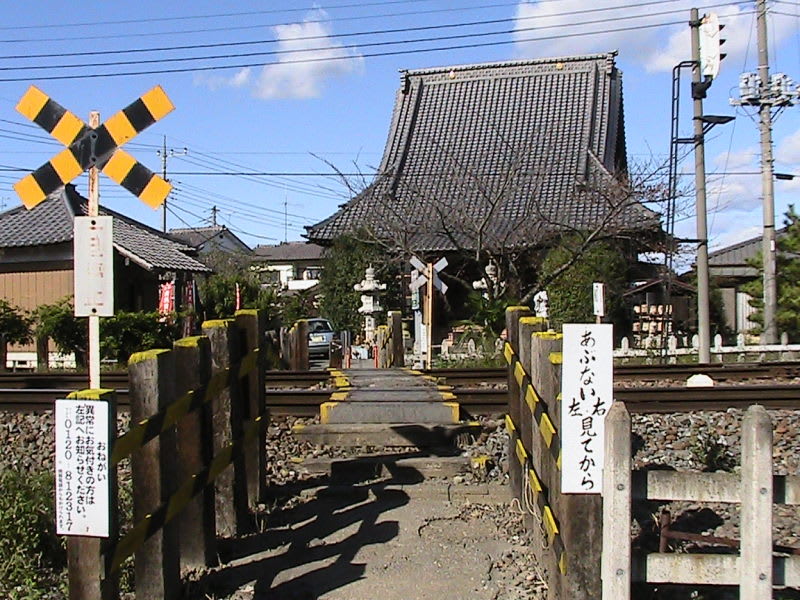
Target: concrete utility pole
pixel 703 318
pixel 93 207
pixel 163 154
pixel 768 248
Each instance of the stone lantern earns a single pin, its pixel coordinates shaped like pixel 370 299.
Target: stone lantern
pixel 370 303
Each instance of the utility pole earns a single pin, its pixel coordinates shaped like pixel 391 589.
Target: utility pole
pixel 767 92
pixel 214 211
pixel 768 249
pixel 163 154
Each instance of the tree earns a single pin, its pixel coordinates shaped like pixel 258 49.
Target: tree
pixel 69 333
pixel 15 328
pixel 300 305
pixel 218 295
pixel 344 266
pixel 787 279
pixel 570 294
pixel 129 332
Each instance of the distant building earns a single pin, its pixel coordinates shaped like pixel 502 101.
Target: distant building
pixel 290 266
pixel 730 269
pixel 211 239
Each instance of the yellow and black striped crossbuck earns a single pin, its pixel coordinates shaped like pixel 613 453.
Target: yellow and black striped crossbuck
pixel 88 147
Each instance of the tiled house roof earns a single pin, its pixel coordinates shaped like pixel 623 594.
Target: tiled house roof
pixel 498 153
pixel 51 222
pixel 198 237
pixel 287 251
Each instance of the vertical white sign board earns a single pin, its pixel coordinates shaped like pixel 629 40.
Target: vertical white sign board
pixel 82 469
pixel 94 267
pixel 599 299
pixel 587 391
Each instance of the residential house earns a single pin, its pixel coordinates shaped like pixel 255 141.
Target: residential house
pixel 290 266
pixel 36 256
pixel 215 238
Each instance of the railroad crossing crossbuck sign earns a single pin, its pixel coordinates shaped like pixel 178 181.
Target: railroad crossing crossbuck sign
pixel 88 147
pixel 423 269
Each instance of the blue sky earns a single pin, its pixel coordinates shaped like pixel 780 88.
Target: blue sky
pixel 309 89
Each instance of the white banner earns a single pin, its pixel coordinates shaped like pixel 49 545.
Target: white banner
pixel 587 390
pixel 82 468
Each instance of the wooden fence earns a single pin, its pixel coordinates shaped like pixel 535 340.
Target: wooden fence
pixel 294 346
pixel 197 450
pixel 754 570
pixel 588 554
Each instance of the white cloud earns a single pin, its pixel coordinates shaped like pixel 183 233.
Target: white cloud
pixel 656 48
pixel 734 236
pixel 215 82
pixel 788 149
pixel 305 64
pixel 307 57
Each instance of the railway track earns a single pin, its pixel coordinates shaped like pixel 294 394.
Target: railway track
pixel 304 402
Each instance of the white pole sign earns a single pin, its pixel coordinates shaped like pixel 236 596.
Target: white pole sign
pixel 94 267
pixel 587 392
pixel 599 299
pixel 82 475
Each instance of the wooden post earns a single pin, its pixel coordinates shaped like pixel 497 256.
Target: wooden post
pixel 755 562
pixel 579 516
pixel 398 347
pixel 616 555
pixel 154 471
pixel 302 345
pixel 196 523
pixel 93 209
pixel 87 557
pixel 230 487
pixel 513 315
pixel 251 325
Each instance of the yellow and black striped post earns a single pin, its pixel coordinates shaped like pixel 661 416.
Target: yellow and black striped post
pixel 88 147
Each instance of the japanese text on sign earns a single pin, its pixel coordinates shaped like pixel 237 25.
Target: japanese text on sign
pixel 587 393
pixel 94 267
pixel 82 472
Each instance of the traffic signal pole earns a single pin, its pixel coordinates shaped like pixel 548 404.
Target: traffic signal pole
pixel 703 318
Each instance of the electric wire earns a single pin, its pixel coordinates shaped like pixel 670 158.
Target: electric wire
pixel 30 56
pixel 345 57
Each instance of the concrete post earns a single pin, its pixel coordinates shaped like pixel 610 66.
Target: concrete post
pixel 513 315
pixel 230 486
pixel 251 325
pixel 196 522
pixel 616 556
pixel 154 474
pixel 755 562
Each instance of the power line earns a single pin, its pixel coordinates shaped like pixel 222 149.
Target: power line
pixel 29 56
pixel 346 57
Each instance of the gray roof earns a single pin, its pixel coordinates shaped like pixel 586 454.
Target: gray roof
pixel 504 151
pixel 732 261
pixel 51 222
pixel 288 251
pixel 198 236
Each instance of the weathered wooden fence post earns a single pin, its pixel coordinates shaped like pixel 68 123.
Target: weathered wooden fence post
pixel 616 556
pixel 226 421
pixel 513 315
pixel 154 471
pixel 755 562
pixel 301 345
pixel 251 325
pixel 398 348
pixel 578 516
pixel 88 557
pixel 196 523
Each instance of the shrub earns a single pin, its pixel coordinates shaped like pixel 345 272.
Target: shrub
pixel 32 557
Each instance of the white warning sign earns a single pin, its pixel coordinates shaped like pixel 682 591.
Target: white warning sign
pixel 82 468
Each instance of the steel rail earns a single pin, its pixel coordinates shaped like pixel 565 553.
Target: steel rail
pixel 483 400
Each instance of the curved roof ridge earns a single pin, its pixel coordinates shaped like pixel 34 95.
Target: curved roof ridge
pixel 610 55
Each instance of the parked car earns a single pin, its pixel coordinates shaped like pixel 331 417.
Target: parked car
pixel 320 336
